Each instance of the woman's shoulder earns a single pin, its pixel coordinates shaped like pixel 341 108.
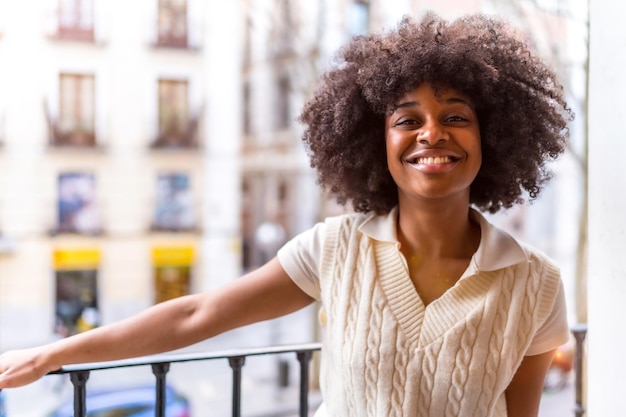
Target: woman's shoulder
pixel 349 217
pixel 539 257
pixel 377 226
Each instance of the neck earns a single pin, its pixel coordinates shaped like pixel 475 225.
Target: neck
pixel 444 231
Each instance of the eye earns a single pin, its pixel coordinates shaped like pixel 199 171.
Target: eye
pixel 406 122
pixel 456 118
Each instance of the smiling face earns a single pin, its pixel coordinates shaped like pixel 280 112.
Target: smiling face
pixel 433 145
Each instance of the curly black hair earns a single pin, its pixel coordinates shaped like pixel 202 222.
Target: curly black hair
pixel 519 103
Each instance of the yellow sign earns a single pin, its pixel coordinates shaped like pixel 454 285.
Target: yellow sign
pixel 173 256
pixel 76 258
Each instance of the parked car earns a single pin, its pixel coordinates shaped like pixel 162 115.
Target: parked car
pixel 136 401
pixel 3 407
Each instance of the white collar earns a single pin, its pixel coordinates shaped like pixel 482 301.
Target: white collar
pixel 497 249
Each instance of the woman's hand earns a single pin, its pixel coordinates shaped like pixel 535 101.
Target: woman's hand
pixel 21 367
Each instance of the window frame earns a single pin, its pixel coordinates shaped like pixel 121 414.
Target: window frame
pixel 80 13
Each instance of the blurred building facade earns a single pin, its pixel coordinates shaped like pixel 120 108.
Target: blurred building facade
pixel 151 149
pixel 288 43
pixel 104 162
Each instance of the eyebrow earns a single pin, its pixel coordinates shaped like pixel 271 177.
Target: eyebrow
pixel 450 100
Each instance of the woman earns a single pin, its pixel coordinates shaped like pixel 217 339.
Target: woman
pixel 428 310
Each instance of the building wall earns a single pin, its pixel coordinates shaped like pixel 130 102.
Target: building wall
pixel 607 203
pixel 221 61
pixel 126 64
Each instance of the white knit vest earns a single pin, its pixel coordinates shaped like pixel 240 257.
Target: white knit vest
pixel 387 355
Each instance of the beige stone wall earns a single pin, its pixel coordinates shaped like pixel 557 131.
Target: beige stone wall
pixel 607 205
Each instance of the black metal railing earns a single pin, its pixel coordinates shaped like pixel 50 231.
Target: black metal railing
pixel 79 374
pixel 580 332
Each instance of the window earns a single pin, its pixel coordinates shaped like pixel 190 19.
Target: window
pixel 283 33
pixel 553 6
pixel 77 211
pixel 172 23
pixel 265 217
pixel 285 206
pixel 358 17
pixel 76 19
pixel 172 271
pixel 247 42
pixel 173 208
pixel 171 282
pixel 247 113
pixel 176 128
pixel 248 218
pixel 282 111
pixel 75 126
pixel 76 300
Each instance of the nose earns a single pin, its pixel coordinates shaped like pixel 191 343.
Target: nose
pixel 432 133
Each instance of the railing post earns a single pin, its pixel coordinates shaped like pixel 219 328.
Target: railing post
pixel 304 358
pixel 236 363
pixel 79 380
pixel 160 371
pixel 579 331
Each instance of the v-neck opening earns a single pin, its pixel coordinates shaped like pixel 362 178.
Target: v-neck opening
pixel 401 294
pixel 423 323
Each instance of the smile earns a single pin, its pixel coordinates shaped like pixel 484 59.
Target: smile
pixel 434 160
pixel 433 164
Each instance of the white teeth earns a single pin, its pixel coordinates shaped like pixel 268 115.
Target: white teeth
pixel 434 160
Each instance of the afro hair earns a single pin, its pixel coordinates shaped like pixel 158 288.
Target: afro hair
pixel 519 103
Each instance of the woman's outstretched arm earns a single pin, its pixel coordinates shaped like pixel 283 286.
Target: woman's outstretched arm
pixel 262 294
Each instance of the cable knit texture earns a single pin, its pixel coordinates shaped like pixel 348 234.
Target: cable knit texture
pixel 386 354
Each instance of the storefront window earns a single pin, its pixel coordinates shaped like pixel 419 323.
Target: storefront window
pixel 76 299
pixel 172 272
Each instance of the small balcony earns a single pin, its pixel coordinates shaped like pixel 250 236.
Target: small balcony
pixel 307 400
pixel 72 21
pixel 179 135
pixel 72 138
pixel 301 354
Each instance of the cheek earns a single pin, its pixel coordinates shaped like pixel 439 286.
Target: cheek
pixel 478 156
pixel 395 143
pixel 393 150
pixel 475 144
pixel 388 147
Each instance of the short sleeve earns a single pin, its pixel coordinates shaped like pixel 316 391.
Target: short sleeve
pixel 300 258
pixel 555 330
